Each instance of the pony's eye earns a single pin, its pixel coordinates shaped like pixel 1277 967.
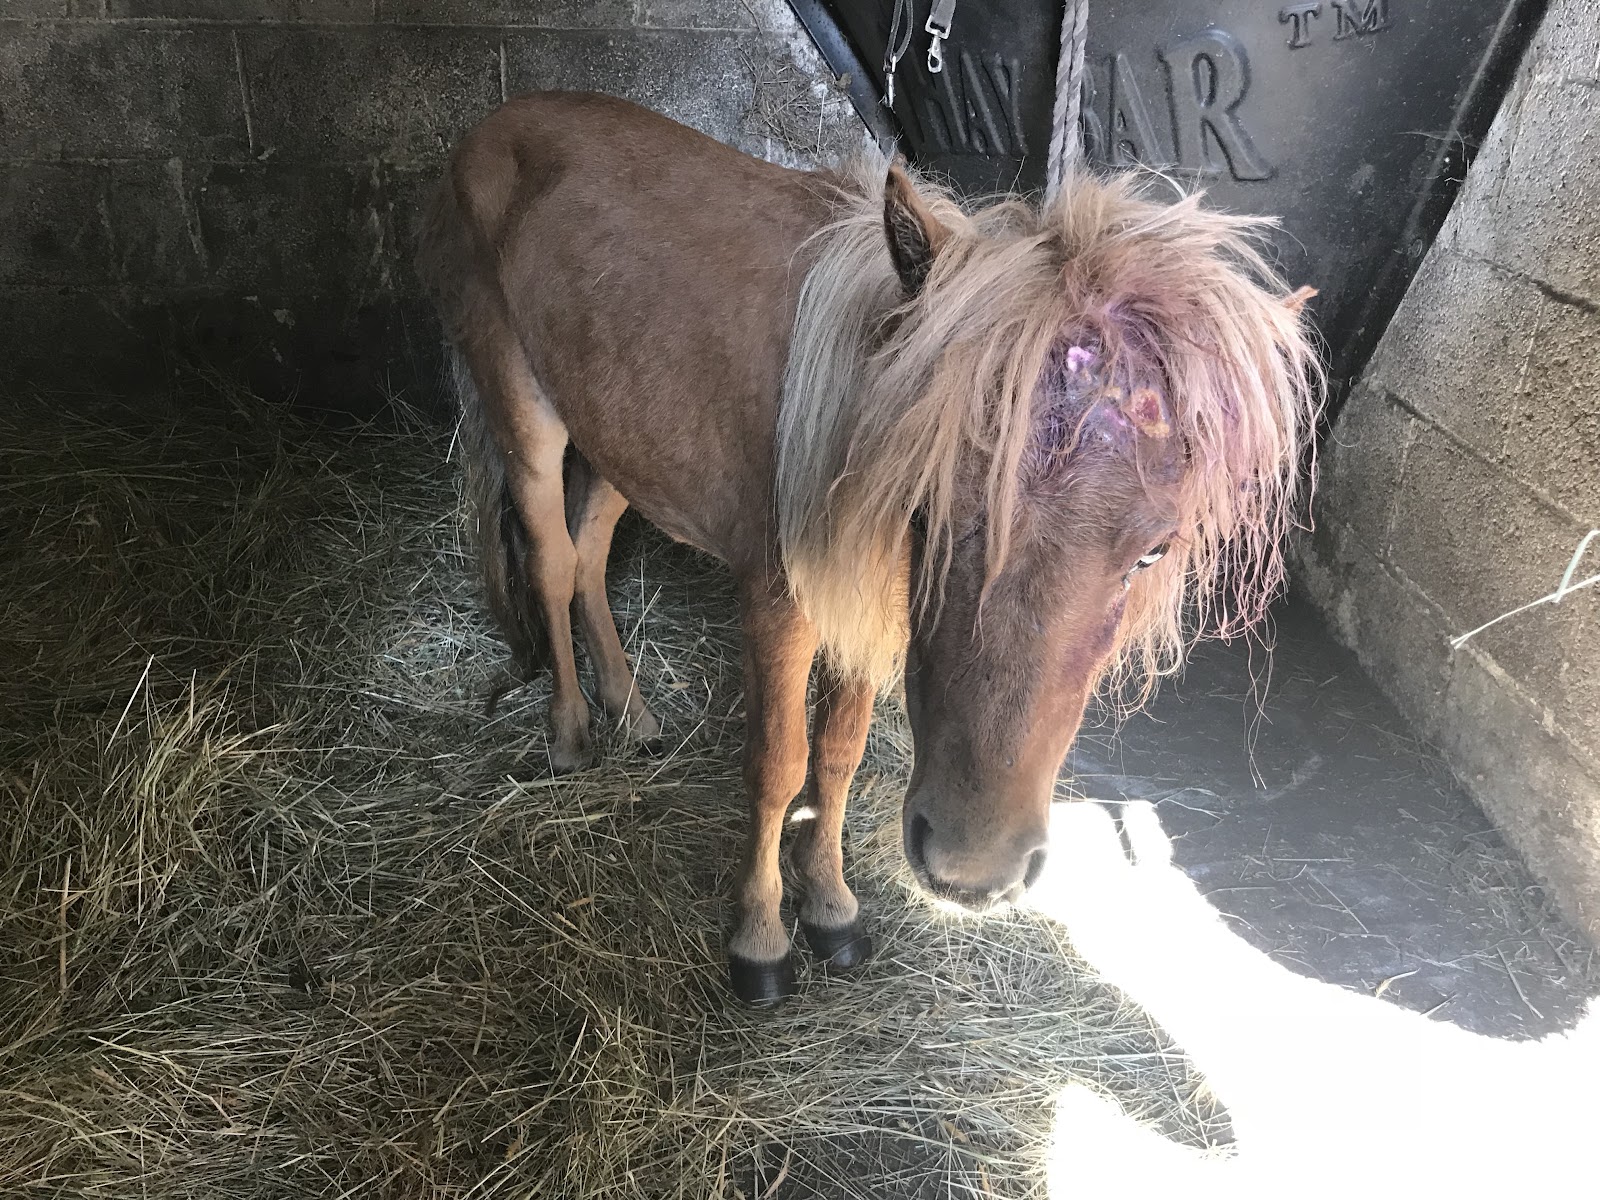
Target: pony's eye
pixel 1148 559
pixel 1152 558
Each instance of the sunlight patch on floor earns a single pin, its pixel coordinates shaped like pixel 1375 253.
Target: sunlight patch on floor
pixel 1329 1092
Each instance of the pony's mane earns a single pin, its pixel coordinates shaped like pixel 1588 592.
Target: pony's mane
pixel 885 398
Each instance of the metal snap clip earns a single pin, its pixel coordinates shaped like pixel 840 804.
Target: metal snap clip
pixel 938 26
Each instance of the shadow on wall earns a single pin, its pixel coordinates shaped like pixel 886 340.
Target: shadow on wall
pixel 1330 1093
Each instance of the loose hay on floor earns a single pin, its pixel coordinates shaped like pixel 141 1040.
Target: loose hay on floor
pixel 283 914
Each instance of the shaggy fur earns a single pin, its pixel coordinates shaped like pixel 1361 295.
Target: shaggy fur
pixel 884 397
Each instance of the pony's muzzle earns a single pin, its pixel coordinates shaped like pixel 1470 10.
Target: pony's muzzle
pixel 974 877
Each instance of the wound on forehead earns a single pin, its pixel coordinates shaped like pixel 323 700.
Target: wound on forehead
pixel 1088 399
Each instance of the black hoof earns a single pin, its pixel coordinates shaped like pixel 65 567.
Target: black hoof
pixel 761 983
pixel 655 747
pixel 570 762
pixel 842 949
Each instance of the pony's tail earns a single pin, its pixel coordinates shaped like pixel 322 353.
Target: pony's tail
pixel 446 256
pixel 502 541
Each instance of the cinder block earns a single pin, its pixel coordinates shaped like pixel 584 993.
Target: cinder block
pixel 1486 177
pixel 54 225
pixel 1364 459
pixel 1567 45
pixel 1536 786
pixel 1554 440
pixel 117 91
pixel 1468 534
pixel 404 95
pixel 1535 211
pixel 700 79
pixel 1478 544
pixel 97 224
pixel 155 228
pixel 332 11
pixel 1400 637
pixel 544 14
pixel 1553 651
pixel 1456 346
pixel 290 228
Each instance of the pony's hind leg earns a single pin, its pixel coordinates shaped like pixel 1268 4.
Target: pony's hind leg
pixel 778 647
pixel 830 915
pixel 533 442
pixel 593 509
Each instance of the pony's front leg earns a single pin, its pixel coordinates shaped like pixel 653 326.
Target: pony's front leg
pixel 779 644
pixel 830 915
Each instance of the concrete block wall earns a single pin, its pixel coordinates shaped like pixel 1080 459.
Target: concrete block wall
pixel 1465 469
pixel 239 179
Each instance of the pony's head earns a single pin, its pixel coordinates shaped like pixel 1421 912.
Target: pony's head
pixel 1033 453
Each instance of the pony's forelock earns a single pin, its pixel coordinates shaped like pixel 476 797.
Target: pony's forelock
pixel 885 399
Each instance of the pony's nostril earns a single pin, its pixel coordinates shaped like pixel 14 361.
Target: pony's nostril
pixel 916 842
pixel 1035 868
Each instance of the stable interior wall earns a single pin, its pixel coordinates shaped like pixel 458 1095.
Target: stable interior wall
pixel 1464 470
pixel 237 181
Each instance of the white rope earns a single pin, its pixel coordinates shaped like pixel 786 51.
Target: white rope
pixel 1564 589
pixel 1066 144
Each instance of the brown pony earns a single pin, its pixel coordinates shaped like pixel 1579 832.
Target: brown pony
pixel 1011 452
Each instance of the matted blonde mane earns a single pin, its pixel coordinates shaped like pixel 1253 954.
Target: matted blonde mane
pixel 885 399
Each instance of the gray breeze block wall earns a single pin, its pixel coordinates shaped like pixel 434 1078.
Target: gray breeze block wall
pixel 1465 470
pixel 239 180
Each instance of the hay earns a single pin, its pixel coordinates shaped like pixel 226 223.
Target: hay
pixel 791 109
pixel 285 915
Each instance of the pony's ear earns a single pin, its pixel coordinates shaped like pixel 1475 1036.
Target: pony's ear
pixel 915 234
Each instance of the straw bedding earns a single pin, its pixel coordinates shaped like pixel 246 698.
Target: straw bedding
pixel 282 913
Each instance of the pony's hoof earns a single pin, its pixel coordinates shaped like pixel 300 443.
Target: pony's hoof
pixel 566 760
pixel 642 728
pixel 761 984
pixel 842 949
pixel 655 747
